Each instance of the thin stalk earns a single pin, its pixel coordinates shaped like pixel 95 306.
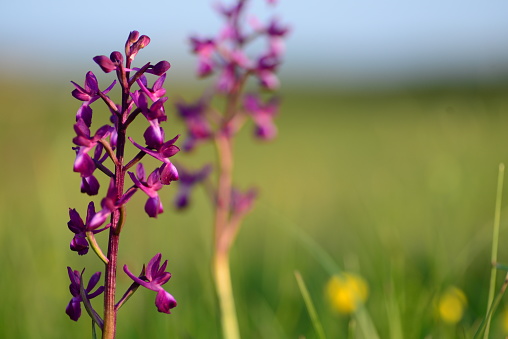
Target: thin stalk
pixel 222 276
pixel 95 247
pixel 110 311
pixel 222 241
pixel 495 244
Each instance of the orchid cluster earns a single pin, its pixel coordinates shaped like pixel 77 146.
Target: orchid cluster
pixel 104 151
pixel 228 55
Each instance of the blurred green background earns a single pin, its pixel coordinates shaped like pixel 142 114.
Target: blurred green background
pixel 392 127
pixel 398 187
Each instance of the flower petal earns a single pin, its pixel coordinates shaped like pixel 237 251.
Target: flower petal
pixel 165 302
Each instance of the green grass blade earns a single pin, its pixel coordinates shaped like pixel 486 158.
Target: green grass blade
pixel 483 326
pixel 310 306
pixel 495 243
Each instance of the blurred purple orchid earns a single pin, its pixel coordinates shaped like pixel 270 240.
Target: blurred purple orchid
pixel 262 114
pixel 198 128
pixel 153 279
pixel 187 181
pixel 241 202
pixel 73 309
pixel 205 50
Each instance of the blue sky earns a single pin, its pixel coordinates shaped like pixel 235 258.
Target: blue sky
pixel 341 42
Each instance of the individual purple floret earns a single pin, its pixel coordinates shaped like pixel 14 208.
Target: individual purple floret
pixel 150 186
pixel 241 202
pixel 73 309
pixel 187 181
pixel 198 127
pixel 205 49
pixel 79 243
pixel 109 204
pixel 156 276
pixel 90 185
pixel 84 164
pixel 163 152
pixel 262 114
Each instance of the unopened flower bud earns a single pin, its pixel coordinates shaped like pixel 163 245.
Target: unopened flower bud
pixel 116 57
pixel 159 68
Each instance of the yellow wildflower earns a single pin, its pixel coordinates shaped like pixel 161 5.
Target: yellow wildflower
pixel 346 292
pixel 504 320
pixel 451 305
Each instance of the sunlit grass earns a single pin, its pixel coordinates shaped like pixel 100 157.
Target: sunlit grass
pixel 399 188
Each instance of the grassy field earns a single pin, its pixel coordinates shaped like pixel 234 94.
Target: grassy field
pixel 398 188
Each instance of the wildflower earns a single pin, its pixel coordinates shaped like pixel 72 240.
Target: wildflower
pixel 90 92
pixel 89 184
pixel 187 181
pixel 451 305
pixel 109 204
pixel 504 320
pixel 153 279
pixel 84 163
pixel 265 70
pixel 73 309
pixel 262 114
pixel 241 203
pixel 347 292
pixel 198 128
pixel 163 152
pixel 205 49
pixel 157 91
pixel 150 186
pixel 79 228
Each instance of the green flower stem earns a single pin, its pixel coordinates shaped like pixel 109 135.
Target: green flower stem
pixel 93 243
pixel 229 320
pixel 223 241
pixel 88 306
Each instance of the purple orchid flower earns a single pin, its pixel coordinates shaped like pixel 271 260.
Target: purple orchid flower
pixel 79 243
pixel 150 186
pixel 163 152
pixel 241 202
pixel 73 309
pixel 156 110
pixel 90 92
pixel 262 114
pixel 153 279
pixel 84 163
pixel 187 181
pixel 266 69
pixel 157 91
pixel 110 204
pixel 198 128
pixel 205 50
pixel 90 185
